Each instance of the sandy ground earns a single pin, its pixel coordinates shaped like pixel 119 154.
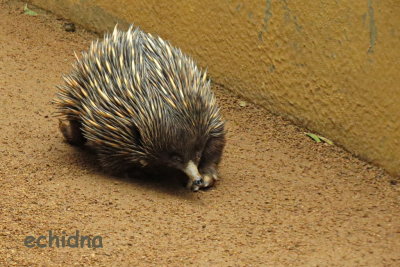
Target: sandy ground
pixel 283 200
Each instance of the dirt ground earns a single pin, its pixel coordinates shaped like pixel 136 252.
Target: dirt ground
pixel 283 200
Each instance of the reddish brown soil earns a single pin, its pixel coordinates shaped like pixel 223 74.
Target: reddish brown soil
pixel 283 200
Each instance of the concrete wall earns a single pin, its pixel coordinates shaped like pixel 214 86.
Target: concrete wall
pixel 332 66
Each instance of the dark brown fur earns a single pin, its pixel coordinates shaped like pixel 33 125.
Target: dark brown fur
pixel 140 101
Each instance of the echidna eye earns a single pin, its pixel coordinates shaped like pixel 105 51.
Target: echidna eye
pixel 177 158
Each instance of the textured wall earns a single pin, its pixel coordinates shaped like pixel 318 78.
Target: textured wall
pixel 333 66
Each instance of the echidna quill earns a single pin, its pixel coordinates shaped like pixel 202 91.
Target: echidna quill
pixel 139 101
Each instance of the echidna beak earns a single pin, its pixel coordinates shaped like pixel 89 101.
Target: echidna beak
pixel 195 179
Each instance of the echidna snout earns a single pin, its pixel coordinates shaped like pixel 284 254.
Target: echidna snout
pixel 139 101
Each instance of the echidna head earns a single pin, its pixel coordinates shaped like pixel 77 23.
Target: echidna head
pixel 178 148
pixel 183 155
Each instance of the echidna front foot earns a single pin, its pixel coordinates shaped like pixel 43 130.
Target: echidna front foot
pixel 209 175
pixel 210 159
pixel 209 180
pixel 72 132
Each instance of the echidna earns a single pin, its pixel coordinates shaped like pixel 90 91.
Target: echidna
pixel 139 101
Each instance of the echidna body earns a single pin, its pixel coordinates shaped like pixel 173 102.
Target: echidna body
pixel 141 101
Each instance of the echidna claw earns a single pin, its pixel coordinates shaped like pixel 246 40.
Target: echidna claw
pixel 198 182
pixel 208 180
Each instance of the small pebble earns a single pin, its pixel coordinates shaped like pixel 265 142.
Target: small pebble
pixel 69 27
pixel 242 103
